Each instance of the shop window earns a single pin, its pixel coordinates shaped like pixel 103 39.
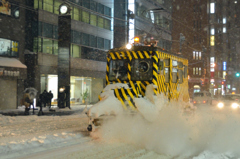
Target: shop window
pixel 100 8
pixel 85 17
pixel 47 46
pixel 93 41
pixel 48 5
pixel 56 6
pixel 107 44
pixel 8 48
pixel 47 30
pixel 107 24
pixel 85 39
pixel 76 14
pixel 76 51
pixel 100 43
pixel 100 22
pixel 93 20
pixel 55 47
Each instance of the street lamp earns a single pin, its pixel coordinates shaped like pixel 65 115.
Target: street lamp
pixel 64 58
pixel 64 9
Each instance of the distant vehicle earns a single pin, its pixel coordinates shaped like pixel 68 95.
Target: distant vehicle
pixel 203 97
pixel 229 101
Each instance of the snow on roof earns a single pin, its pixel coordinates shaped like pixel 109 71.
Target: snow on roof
pixel 11 62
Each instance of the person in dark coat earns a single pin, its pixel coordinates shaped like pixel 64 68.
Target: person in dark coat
pixel 44 98
pixel 50 97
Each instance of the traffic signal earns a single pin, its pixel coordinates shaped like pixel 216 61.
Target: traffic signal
pixel 237 74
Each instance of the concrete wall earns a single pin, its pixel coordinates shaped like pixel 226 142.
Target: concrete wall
pixel 8 93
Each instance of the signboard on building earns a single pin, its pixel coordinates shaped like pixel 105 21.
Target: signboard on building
pixel 5 7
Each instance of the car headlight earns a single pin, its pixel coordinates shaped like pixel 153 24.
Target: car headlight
pixel 220 105
pixel 234 105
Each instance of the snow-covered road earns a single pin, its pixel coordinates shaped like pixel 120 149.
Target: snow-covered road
pixel 207 133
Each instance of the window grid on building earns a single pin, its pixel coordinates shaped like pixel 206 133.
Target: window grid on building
pixel 79 14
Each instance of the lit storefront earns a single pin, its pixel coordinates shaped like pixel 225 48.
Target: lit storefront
pixel 79 85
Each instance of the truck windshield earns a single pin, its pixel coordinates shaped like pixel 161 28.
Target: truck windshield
pixel 118 69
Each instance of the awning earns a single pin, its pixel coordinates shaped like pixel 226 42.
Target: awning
pixel 12 68
pixel 11 62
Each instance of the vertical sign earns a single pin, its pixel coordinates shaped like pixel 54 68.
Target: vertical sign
pixel 64 40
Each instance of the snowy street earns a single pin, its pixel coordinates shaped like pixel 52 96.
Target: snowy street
pixel 58 137
pixel 206 133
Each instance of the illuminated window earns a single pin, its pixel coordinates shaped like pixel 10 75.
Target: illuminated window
pixel 48 5
pixel 212 43
pixel 212 7
pixel 212 31
pixel 194 70
pixel 93 20
pixel 224 20
pixel 194 55
pixel 8 47
pixel 100 22
pixel 85 17
pixel 76 13
pixel 200 71
pixel 224 30
pixel 56 7
pixel 200 55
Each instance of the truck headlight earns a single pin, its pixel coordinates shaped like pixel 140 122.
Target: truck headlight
pixel 234 105
pixel 220 105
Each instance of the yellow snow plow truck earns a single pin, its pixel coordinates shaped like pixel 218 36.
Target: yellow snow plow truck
pixel 136 76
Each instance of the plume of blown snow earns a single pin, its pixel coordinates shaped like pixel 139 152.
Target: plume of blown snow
pixel 178 133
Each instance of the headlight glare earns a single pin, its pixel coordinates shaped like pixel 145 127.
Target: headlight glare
pixel 234 105
pixel 220 105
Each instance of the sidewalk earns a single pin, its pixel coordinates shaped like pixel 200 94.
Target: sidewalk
pixel 75 108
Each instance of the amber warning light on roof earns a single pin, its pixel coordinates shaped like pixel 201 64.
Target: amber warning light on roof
pixel 136 39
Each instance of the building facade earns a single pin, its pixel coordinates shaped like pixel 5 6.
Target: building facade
pixel 142 18
pixel 190 40
pixel 91 37
pixel 12 44
pixel 224 45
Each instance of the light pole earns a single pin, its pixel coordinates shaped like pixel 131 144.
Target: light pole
pixel 64 58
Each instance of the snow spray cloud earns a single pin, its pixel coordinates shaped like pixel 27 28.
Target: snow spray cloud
pixel 177 133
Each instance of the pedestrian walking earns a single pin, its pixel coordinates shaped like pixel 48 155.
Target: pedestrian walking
pixel 50 97
pixel 27 102
pixel 44 98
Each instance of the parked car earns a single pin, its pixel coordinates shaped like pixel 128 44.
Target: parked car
pixel 231 101
pixel 203 97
